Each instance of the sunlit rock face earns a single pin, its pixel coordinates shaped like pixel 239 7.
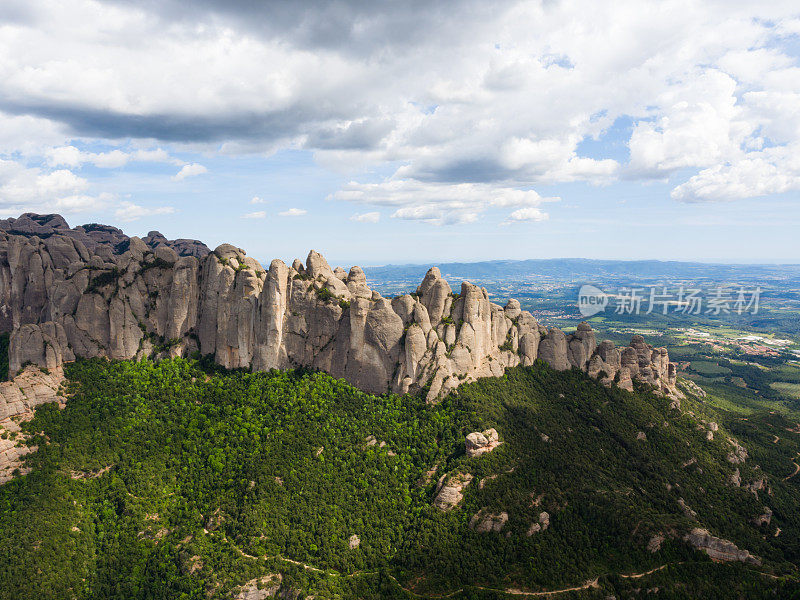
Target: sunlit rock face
pixel 18 399
pixel 92 291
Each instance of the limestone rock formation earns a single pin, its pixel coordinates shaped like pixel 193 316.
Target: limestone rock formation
pixel 765 518
pixel 719 549
pixel 541 525
pixel 756 486
pixel 654 545
pixel 18 399
pixel 29 389
pixel 738 454
pixel 638 361
pixel 478 443
pixel 486 522
pixel 93 291
pixel 95 237
pixel 450 490
pixel 44 345
pixel 735 478
pixel 581 346
pixel 553 349
pixel 261 588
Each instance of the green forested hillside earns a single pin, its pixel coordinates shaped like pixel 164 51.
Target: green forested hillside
pixel 170 480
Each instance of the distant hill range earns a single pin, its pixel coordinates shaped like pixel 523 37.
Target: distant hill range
pixel 583 268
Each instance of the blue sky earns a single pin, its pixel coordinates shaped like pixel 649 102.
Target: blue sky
pixel 411 132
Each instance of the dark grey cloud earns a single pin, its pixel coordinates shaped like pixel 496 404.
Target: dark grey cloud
pixel 485 169
pixel 361 32
pixel 174 127
pixel 348 26
pixel 179 127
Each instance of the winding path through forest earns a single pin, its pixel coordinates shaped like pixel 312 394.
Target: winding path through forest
pixel 796 469
pixel 651 571
pixel 515 592
pixel 592 583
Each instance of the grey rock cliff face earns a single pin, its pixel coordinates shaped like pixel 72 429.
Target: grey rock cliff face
pixel 719 549
pixel 101 239
pixel 92 291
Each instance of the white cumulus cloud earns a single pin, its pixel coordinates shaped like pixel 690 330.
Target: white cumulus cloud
pixel 367 217
pixel 70 156
pixel 503 96
pixel 189 170
pixel 128 211
pixel 33 189
pixel 438 204
pixel 525 214
pixel 770 171
pixel 293 212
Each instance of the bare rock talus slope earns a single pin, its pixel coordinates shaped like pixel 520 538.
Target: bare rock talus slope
pixel 18 399
pixel 92 291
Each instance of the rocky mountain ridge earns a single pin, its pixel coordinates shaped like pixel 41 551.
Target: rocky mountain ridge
pixel 92 291
pixel 97 238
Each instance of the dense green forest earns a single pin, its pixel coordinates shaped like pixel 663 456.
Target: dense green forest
pixel 176 479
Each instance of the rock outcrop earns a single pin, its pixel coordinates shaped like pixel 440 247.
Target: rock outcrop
pixel 486 522
pixel 18 399
pixel 719 549
pixel 450 490
pixel 654 545
pixel 92 291
pixel 268 586
pixel 738 454
pixel 765 518
pixel 638 361
pixel 477 443
pixel 100 239
pixel 541 525
pixel 735 478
